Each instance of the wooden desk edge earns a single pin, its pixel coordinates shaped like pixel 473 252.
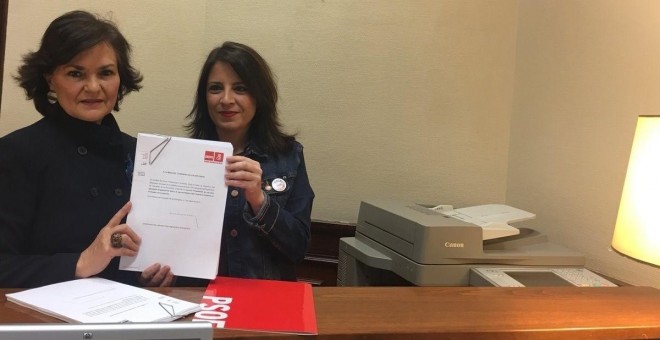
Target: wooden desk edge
pixel 384 301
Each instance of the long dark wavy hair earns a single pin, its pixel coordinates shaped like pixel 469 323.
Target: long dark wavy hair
pixel 66 37
pixel 265 129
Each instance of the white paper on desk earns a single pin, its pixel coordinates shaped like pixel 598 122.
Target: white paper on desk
pixel 178 196
pixel 97 300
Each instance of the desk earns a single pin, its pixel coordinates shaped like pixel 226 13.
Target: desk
pixel 453 312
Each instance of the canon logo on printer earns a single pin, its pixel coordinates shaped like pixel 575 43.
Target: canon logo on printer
pixel 454 245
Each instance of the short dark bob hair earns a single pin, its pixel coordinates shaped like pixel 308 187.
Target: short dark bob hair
pixel 66 37
pixel 265 129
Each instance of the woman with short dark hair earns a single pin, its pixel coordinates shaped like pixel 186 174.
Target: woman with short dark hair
pixel 65 180
pixel 66 37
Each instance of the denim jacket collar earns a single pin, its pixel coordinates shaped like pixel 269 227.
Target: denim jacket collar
pixel 253 150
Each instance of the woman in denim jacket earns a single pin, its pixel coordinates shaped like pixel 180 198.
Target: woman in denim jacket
pixel 269 199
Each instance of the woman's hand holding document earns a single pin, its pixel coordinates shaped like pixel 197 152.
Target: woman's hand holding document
pixel 178 196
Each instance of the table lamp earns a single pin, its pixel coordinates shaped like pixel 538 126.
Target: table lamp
pixel 637 230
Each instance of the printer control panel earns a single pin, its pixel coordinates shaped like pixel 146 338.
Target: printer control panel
pixel 536 277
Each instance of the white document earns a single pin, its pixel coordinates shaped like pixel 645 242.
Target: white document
pixel 494 219
pixel 178 196
pixel 97 300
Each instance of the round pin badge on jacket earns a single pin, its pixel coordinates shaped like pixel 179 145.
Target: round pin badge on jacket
pixel 279 184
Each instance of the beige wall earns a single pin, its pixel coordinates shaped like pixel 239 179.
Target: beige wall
pixel 530 102
pixel 408 99
pixel 584 71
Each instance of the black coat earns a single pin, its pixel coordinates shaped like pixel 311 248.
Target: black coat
pixel 61 180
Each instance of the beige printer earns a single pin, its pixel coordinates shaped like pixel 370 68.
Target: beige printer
pixel 404 243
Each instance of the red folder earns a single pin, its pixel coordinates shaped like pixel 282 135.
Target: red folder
pixel 259 305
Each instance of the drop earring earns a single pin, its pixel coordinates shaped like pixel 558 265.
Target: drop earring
pixel 51 96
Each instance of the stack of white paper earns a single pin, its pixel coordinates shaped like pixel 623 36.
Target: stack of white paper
pixel 97 300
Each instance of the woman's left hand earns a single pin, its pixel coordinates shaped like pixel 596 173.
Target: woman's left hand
pixel 157 276
pixel 245 173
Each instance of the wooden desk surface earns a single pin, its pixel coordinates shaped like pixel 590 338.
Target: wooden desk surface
pixel 453 312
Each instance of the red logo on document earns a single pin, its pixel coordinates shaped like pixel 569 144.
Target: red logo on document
pixel 213 157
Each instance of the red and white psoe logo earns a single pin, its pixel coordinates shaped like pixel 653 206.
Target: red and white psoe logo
pixel 214 309
pixel 213 157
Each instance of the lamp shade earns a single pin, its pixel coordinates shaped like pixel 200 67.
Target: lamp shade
pixel 637 230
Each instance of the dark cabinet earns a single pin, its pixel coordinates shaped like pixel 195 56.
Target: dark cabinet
pixel 320 265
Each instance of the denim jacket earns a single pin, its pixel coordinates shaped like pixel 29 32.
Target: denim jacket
pixel 268 245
